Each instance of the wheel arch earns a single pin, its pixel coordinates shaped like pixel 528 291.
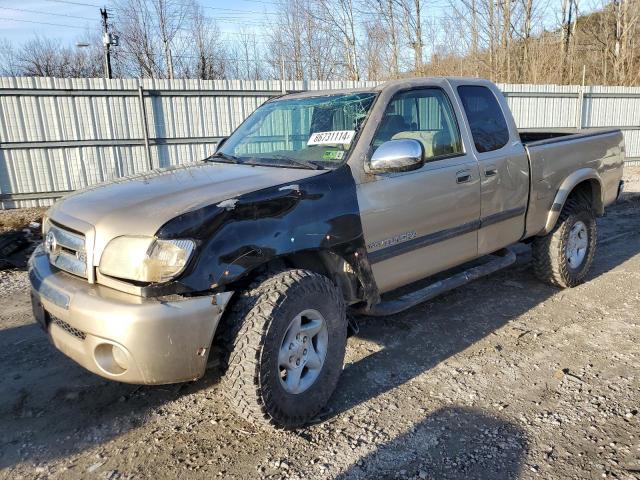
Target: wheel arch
pixel 584 182
pixel 354 281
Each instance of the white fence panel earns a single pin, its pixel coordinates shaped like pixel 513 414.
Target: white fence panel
pixel 58 135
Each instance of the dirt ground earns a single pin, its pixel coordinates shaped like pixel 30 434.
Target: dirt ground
pixel 19 218
pixel 504 378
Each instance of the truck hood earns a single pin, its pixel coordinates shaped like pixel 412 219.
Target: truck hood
pixel 141 204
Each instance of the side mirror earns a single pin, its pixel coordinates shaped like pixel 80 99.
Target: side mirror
pixel 400 155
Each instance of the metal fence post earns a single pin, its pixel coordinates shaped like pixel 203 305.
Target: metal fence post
pixel 145 126
pixel 282 76
pixel 580 107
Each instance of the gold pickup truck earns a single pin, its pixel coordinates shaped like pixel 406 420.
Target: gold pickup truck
pixel 319 204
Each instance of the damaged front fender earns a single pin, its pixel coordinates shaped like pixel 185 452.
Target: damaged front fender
pixel 317 214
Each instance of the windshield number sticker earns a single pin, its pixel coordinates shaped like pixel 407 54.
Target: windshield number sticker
pixel 336 137
pixel 333 155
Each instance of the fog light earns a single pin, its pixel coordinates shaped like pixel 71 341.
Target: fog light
pixel 120 357
pixel 111 358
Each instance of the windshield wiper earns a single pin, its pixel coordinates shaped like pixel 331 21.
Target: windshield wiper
pixel 303 163
pixel 224 156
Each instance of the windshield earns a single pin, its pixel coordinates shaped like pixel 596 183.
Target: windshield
pixel 310 132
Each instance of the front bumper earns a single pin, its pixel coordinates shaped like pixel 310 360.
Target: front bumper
pixel 121 336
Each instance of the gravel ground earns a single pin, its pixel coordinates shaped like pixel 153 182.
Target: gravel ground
pixel 504 378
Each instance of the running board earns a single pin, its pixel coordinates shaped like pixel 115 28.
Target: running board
pixel 503 258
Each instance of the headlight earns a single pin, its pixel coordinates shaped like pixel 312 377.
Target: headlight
pixel 145 259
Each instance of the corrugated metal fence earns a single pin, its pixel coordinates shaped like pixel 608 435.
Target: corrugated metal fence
pixel 58 135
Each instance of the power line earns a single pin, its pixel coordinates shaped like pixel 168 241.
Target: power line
pixel 248 33
pixel 243 34
pixel 75 3
pixel 233 19
pixel 238 21
pixel 45 13
pixel 230 59
pixel 43 23
pixel 234 10
pixel 262 2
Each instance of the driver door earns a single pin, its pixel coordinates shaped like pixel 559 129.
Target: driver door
pixel 424 221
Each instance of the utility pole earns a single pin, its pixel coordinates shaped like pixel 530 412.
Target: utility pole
pixel 106 42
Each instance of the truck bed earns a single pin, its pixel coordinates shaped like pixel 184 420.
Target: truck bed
pixel 556 154
pixel 536 135
pixel 532 135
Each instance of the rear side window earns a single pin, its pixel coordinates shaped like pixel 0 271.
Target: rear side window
pixel 488 125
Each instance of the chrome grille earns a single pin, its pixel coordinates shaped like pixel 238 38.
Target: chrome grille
pixel 66 250
pixel 79 334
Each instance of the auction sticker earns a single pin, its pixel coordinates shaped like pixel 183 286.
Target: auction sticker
pixel 333 155
pixel 335 137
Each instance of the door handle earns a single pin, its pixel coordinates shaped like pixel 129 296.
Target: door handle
pixel 490 171
pixel 463 176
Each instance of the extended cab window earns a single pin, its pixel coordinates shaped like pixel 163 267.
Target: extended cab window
pixel 486 121
pixel 425 115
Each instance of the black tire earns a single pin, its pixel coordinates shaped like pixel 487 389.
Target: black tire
pixel 550 260
pixel 256 328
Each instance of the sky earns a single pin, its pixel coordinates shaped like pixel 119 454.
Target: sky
pixel 66 20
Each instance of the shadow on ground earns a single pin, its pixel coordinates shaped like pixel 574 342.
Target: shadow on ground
pixel 451 443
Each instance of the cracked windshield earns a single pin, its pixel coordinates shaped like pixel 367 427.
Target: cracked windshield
pixel 312 132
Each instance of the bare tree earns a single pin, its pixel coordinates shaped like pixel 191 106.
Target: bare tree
pixel 44 57
pixel 302 43
pixel 172 16
pixel 248 61
pixel 389 33
pixel 136 29
pixel 374 45
pixel 468 25
pixel 569 14
pixel 319 44
pixel 341 21
pixel 286 42
pixel 527 28
pixel 9 65
pixel 505 5
pixel 626 16
pixel 412 21
pixel 209 61
pixel 150 32
pixel 613 33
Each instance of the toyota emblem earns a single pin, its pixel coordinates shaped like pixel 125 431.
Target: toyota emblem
pixel 50 243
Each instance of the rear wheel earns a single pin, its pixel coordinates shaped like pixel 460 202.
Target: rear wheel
pixel 564 256
pixel 287 340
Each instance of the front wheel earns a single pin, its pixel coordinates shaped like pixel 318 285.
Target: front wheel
pixel 564 256
pixel 287 341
